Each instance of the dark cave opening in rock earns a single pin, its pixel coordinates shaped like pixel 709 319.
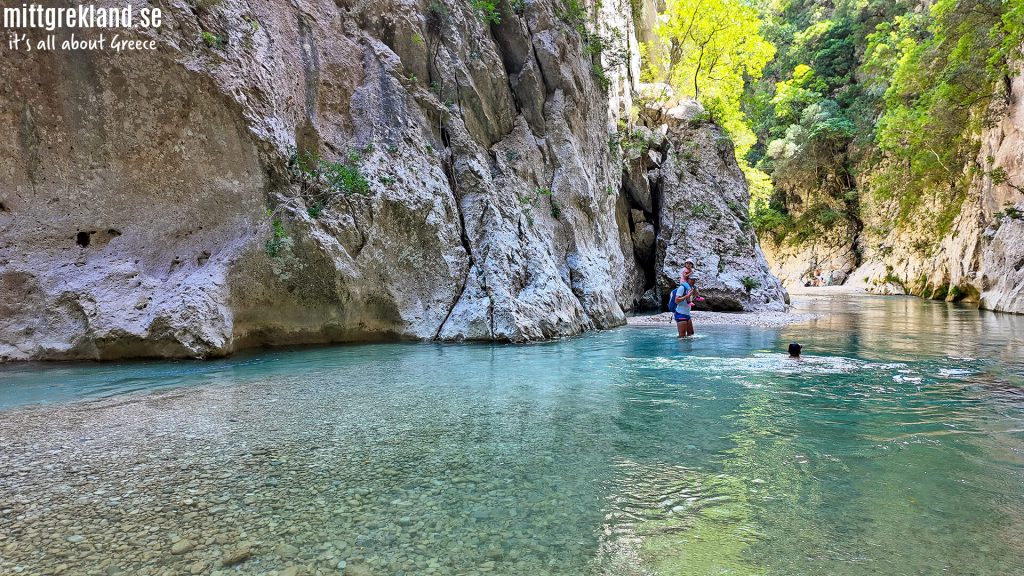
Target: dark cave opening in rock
pixel 643 231
pixel 83 239
pixel 651 263
pixel 642 188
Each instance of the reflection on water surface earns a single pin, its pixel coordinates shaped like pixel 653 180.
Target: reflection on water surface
pixel 894 447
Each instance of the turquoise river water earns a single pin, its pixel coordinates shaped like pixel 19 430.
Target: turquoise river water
pixel 895 447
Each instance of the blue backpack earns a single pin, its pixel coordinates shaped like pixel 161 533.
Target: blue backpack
pixel 672 301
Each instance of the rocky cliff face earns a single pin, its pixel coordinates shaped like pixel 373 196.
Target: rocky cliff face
pixel 688 199
pixel 281 173
pixel 833 254
pixel 981 258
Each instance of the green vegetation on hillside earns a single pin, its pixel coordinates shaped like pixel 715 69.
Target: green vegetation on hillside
pixel 844 103
pixel 876 97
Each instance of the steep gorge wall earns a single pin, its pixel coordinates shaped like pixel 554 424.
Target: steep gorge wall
pixel 148 207
pixel 687 198
pixel 980 259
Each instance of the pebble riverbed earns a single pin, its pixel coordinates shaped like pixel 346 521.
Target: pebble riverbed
pixel 286 476
pixel 618 453
pixel 706 318
pixel 226 480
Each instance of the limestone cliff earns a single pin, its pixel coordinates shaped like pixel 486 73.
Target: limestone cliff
pixel 980 259
pixel 283 173
pixel 682 169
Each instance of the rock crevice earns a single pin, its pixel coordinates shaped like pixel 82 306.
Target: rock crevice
pixel 459 185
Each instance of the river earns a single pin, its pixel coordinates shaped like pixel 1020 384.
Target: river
pixel 895 446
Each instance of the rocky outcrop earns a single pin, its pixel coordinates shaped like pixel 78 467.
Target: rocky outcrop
pixel 831 255
pixel 689 201
pixel 982 259
pixel 979 259
pixel 280 173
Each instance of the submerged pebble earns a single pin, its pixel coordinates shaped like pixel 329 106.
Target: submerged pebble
pixel 591 449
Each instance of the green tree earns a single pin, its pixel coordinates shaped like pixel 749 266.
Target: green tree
pixel 713 47
pixel 945 68
pixel 795 94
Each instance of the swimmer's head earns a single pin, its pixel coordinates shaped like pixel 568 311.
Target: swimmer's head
pixel 794 350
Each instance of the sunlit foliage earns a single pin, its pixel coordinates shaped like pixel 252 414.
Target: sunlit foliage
pixel 712 47
pixel 884 96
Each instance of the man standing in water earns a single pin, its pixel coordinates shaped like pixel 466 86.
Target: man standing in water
pixel 681 312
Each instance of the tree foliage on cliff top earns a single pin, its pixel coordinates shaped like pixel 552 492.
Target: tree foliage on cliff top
pixel 880 95
pixel 710 49
pixel 886 96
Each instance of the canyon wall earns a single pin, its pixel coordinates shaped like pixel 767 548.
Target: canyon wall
pixel 285 173
pixel 980 258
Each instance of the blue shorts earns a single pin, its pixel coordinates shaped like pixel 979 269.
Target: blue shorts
pixel 681 317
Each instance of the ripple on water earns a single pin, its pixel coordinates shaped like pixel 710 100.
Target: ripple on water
pixel 619 453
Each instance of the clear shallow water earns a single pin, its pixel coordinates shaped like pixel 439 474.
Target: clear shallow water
pixel 896 446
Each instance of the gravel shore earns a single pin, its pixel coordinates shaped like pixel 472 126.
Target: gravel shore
pixel 702 318
pixel 292 477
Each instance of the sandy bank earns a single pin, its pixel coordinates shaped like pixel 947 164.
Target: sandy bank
pixel 701 318
pixel 825 290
